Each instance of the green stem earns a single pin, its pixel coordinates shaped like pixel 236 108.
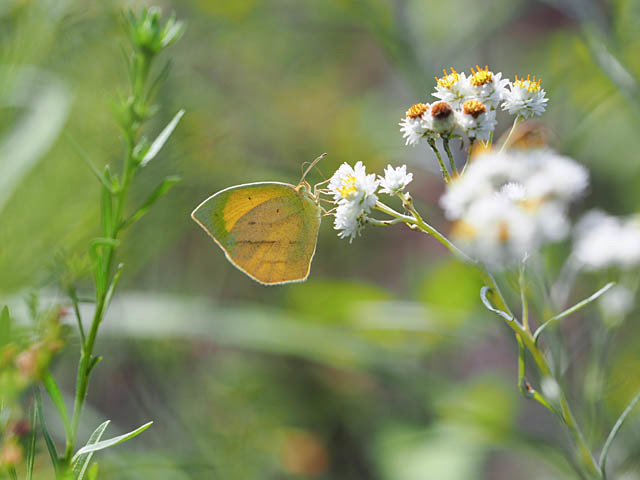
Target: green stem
pixel 443 168
pixel 522 332
pixel 513 129
pixel 112 230
pixel 452 163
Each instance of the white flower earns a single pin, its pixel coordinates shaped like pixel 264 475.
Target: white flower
pixel 486 87
pixel 416 123
pixel 603 241
pixel 352 184
pixel 507 204
pixel 453 88
pixel 475 120
pixel 355 194
pixel 496 230
pixel 395 179
pixel 350 220
pixel 525 98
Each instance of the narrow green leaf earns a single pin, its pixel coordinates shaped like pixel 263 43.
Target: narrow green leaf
pixel 31 449
pixel 112 286
pixel 52 389
pixel 93 472
pixel 81 153
pixel 159 192
pixel 5 326
pixel 111 442
pixel 81 463
pixel 614 431
pixel 573 309
pixel 94 361
pixel 159 142
pixel 12 473
pixel 73 294
pixel 106 210
pixel 484 291
pixel 45 433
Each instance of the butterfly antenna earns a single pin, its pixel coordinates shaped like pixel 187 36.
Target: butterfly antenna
pixel 313 164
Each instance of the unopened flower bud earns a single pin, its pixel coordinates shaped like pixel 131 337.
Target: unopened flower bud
pixel 443 118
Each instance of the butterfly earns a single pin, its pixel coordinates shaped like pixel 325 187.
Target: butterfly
pixel 267 230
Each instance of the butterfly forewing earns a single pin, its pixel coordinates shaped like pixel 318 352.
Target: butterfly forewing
pixel 268 230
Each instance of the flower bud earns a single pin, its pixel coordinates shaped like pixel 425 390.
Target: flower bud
pixel 443 118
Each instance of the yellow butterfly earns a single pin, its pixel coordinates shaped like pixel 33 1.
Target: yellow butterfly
pixel 268 230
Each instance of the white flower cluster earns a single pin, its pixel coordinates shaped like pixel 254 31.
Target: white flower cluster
pixel 468 105
pixel 508 204
pixel 604 241
pixel 355 194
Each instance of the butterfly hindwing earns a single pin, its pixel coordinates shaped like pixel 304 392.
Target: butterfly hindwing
pixel 268 230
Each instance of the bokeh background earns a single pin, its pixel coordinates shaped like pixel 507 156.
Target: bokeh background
pixel 383 365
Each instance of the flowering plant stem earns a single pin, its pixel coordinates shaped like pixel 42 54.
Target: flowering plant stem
pixel 516 122
pixel 443 168
pixel 559 405
pixel 148 37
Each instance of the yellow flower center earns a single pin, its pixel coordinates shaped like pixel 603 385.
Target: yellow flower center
pixel 481 77
pixel 348 186
pixel 449 79
pixel 417 110
pixel 474 108
pixel 528 84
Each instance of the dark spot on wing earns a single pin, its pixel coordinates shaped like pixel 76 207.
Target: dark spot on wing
pixel 257 242
pixel 251 223
pixel 277 210
pixel 249 198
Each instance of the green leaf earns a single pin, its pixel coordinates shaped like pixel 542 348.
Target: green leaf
pixel 106 208
pixel 56 397
pixel 573 309
pixel 12 473
pixel 31 449
pixel 81 153
pixel 5 326
pixel 614 431
pixel 484 291
pixel 93 472
pixel 45 433
pixel 159 192
pixel 159 142
pixel 111 442
pixel 81 462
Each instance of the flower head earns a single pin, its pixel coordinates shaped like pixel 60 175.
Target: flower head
pixel 475 120
pixel 355 194
pixel 501 208
pixel 452 88
pixel 603 241
pixel 416 123
pixel 395 180
pixel 486 87
pixel 525 98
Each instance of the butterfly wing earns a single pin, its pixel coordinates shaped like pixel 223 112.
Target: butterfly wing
pixel 268 230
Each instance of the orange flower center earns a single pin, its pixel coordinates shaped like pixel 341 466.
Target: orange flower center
pixel 449 79
pixel 528 84
pixel 417 110
pixel 474 108
pixel 481 77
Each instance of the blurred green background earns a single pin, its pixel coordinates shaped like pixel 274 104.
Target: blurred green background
pixel 383 364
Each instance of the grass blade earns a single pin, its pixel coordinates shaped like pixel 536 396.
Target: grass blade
pixel 111 442
pixel 614 431
pixel 81 462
